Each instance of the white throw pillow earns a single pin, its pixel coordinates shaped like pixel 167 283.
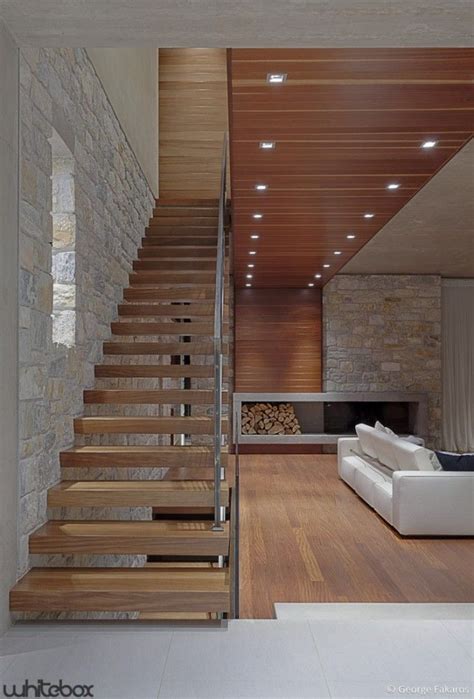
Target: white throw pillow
pixel 411 457
pixel 365 435
pixel 383 444
pixel 411 438
pixel 382 428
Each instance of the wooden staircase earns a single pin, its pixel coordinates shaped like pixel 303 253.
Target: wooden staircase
pixel 145 441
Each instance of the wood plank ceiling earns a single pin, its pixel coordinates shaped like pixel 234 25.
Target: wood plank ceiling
pixel 346 124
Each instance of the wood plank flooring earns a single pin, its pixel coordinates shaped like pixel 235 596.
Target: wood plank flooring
pixel 305 536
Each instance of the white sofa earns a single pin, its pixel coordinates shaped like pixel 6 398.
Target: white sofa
pixel 397 479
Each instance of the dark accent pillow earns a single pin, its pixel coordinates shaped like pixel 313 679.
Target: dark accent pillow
pixel 455 462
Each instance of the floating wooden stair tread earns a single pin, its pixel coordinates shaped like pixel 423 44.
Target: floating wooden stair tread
pixel 145 425
pixel 181 294
pixel 172 371
pixel 155 276
pixel 204 202
pixel 158 537
pixel 184 211
pixel 161 310
pixel 158 348
pixel 122 589
pixel 184 252
pixel 170 328
pixel 140 456
pixel 180 222
pixel 135 494
pixel 182 265
pixel 119 396
pixel 168 239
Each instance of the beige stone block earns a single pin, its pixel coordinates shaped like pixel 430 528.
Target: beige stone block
pixel 64 230
pixel 64 296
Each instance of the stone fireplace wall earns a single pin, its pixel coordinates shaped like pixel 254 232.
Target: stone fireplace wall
pixel 383 333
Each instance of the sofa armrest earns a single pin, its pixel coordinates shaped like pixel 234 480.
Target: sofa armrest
pixel 346 446
pixel 433 503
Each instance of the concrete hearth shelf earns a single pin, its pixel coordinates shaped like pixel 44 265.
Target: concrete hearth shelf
pixel 312 412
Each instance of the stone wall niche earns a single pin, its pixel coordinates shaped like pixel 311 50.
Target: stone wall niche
pixel 63 215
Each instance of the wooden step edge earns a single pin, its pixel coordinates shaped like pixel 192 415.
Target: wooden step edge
pixel 146 425
pixel 155 494
pixel 134 537
pixel 191 457
pixel 184 617
pixel 147 327
pixel 124 396
pixel 122 589
pixel 156 348
pixel 166 371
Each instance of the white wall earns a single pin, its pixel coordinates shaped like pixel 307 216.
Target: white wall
pixel 8 318
pixel 130 79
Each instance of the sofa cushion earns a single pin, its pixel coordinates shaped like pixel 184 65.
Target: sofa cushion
pixel 383 500
pixel 411 457
pixel 348 467
pixel 366 434
pixel 383 444
pixel 365 479
pixel 450 461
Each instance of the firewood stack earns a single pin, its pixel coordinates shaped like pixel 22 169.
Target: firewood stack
pixel 269 418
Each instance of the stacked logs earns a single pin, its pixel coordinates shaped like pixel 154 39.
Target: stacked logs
pixel 269 418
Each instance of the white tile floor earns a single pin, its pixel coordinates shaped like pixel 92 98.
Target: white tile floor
pixel 272 659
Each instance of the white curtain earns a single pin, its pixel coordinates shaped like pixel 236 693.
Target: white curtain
pixel 458 364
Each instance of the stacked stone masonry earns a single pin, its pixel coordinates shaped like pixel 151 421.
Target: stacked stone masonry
pixel 61 93
pixel 383 333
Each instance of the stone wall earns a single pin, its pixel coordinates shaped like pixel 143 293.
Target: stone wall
pixel 383 333
pixel 8 319
pixel 60 93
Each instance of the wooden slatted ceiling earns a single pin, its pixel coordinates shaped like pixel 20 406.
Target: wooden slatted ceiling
pixel 193 119
pixel 346 123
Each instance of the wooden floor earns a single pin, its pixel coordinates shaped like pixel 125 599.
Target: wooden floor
pixel 307 537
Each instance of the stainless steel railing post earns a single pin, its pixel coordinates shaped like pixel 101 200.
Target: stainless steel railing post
pixel 218 345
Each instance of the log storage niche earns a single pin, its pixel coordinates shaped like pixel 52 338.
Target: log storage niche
pixel 269 418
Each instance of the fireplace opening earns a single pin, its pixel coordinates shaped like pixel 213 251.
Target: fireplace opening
pixel 342 417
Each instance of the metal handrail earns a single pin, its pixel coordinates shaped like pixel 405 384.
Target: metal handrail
pixel 218 343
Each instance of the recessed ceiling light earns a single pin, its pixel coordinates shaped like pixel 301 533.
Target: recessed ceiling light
pixel 337 252
pixel 254 236
pixel 252 252
pixel 326 266
pixel 311 284
pixel 317 276
pixel 428 144
pixel 276 78
pixel 250 266
pixel 260 187
pixel 248 284
pixel 249 276
pixel 267 145
pixel 369 215
pixel 257 216
pixel 351 236
pixel 393 185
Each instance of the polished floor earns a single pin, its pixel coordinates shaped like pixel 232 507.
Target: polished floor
pixel 305 536
pixel 275 659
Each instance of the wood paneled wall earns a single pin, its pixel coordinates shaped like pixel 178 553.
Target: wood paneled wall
pixel 193 118
pixel 278 340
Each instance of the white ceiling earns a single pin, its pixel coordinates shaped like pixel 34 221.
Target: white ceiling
pixel 433 233
pixel 234 23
